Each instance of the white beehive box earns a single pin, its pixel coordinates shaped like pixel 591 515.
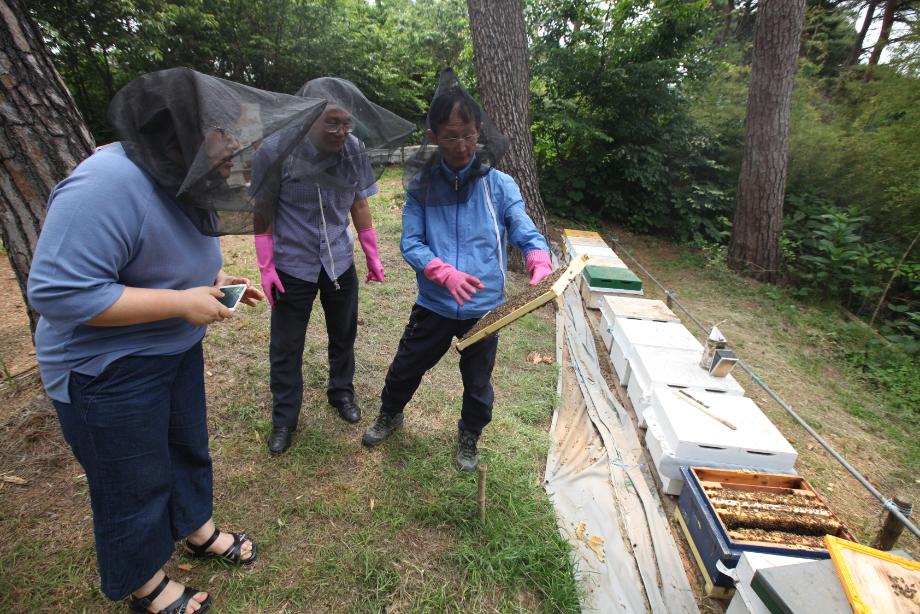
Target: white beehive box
pixel 592 251
pixel 667 461
pixel 638 308
pixel 606 330
pixel 593 240
pixel 697 439
pixel 660 454
pixel 630 332
pixel 594 246
pixel 612 262
pixel 613 306
pixel 677 368
pixel 592 295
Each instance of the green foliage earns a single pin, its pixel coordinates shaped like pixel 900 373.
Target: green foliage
pixel 892 373
pixel 903 329
pixel 391 50
pixel 853 195
pixel 830 255
pixel 828 36
pixel 852 205
pixel 825 248
pixel 614 138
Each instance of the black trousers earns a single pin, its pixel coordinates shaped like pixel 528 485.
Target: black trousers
pixel 290 317
pixel 425 340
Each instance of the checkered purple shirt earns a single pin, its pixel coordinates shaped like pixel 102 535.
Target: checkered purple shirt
pixel 300 243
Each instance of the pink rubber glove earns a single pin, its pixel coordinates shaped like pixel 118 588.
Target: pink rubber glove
pixel 368 240
pixel 265 256
pixel 538 265
pixel 461 285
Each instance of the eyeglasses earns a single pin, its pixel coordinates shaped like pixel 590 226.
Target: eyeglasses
pixel 469 139
pixel 221 130
pixel 333 127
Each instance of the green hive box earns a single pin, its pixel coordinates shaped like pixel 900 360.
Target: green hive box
pixel 614 279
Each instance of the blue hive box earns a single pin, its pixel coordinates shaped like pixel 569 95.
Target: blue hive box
pixel 709 537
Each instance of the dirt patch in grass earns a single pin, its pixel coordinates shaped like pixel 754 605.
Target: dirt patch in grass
pixel 34 460
pixel 41 480
pixel 16 355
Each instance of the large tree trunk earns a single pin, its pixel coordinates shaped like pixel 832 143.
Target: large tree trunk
pixel 885 34
pixel 500 45
pixel 43 137
pixel 861 36
pixel 754 246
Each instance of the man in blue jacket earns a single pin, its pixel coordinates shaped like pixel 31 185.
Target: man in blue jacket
pixel 459 214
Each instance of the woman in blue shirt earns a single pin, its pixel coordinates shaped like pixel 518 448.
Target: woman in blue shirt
pixel 126 281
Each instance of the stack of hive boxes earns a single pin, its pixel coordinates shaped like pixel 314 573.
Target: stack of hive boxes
pixel 710 423
pixel 694 421
pixel 657 359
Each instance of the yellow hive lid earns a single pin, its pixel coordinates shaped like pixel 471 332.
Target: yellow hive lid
pixel 571 232
pixel 875 581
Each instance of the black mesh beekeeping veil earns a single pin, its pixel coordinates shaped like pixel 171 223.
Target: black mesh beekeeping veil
pixel 352 142
pixel 424 173
pixel 195 135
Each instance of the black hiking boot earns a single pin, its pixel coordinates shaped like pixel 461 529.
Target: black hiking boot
pixel 467 454
pixel 383 426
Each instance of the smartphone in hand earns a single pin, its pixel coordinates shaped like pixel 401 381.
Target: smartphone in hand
pixel 232 295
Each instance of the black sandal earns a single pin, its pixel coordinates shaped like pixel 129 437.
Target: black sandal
pixel 140 604
pixel 233 554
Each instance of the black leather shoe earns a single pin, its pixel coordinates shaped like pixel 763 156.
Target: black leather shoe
pixel 348 410
pixel 280 439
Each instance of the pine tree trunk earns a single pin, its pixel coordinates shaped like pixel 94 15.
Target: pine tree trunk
pixel 861 36
pixel 500 45
pixel 754 246
pixel 43 137
pixel 885 33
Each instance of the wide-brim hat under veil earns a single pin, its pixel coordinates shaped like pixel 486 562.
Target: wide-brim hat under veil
pixel 195 135
pixel 422 171
pixel 375 134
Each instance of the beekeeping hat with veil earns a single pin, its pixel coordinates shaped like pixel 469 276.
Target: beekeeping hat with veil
pixel 352 142
pixel 194 135
pixel 424 172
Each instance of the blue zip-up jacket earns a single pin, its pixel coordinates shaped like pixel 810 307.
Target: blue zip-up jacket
pixel 455 224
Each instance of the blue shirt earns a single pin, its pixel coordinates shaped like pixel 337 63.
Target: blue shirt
pixel 468 228
pixel 109 226
pixel 302 247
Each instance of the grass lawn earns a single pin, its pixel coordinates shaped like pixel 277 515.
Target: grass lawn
pixel 396 529
pixel 340 527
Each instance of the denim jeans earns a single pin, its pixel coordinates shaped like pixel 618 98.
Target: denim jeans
pixel 139 429
pixel 290 317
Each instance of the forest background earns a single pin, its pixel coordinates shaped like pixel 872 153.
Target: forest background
pixel 637 117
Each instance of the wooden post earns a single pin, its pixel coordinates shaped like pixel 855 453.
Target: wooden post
pixel 482 493
pixel 891 526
